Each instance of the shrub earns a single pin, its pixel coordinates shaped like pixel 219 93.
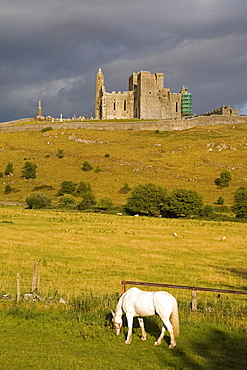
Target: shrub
pixel 29 170
pixel 86 166
pixel 46 129
pixel 125 189
pixel 220 201
pixel 98 169
pixel 9 169
pixel 60 153
pixel 88 201
pixel 147 199
pixel 224 179
pixel 240 203
pixel 37 201
pixel 184 202
pixel 8 189
pixel 40 187
pixel 67 187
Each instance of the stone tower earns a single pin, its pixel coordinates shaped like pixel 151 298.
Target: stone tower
pixel 99 87
pixel 39 108
pixel 39 116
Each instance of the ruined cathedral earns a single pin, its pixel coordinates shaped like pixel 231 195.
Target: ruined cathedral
pixel 146 99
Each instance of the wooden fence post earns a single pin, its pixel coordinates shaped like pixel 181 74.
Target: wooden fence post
pixel 18 288
pixel 123 287
pixel 35 274
pixel 194 301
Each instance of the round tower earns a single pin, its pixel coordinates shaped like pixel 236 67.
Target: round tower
pixel 39 116
pixel 99 85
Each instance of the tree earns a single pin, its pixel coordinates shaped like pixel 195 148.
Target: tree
pixel 9 169
pixel 224 179
pixel 37 201
pixel 83 188
pixel 147 199
pixel 240 203
pixel 67 187
pixel 184 202
pixel 67 201
pixel 29 170
pixel 207 211
pixel 104 203
pixel 88 201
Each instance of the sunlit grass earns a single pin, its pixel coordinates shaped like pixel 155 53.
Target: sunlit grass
pixel 83 258
pixel 169 159
pixel 78 251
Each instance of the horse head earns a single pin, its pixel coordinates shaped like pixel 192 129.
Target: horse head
pixel 117 322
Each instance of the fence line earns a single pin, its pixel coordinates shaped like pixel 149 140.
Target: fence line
pixel 193 289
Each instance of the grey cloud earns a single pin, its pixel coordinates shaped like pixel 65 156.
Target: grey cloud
pixel 51 50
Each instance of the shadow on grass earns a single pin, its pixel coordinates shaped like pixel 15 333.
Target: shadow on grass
pixel 213 349
pixel 199 347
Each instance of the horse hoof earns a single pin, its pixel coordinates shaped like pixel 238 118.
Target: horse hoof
pixel 156 344
pixel 126 342
pixel 171 346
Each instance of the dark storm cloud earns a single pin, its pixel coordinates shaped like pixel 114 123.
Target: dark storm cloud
pixel 52 49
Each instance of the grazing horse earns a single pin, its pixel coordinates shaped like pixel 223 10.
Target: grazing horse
pixel 138 303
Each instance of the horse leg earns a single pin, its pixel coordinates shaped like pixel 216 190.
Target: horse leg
pixel 141 323
pixel 130 325
pixel 168 325
pixel 159 340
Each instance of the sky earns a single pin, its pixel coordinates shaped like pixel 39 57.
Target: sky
pixel 51 50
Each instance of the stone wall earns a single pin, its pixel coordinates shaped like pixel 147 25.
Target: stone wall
pixel 161 125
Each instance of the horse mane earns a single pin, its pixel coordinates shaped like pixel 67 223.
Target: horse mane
pixel 119 310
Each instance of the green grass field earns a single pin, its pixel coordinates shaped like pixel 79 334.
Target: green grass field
pixel 83 258
pixel 190 159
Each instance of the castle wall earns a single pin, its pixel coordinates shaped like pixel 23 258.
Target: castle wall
pixel 118 105
pixel 146 99
pixel 225 110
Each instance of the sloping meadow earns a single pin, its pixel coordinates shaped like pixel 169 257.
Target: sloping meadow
pixel 190 159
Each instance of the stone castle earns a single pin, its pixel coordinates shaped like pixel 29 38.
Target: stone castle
pixel 146 99
pixel 154 107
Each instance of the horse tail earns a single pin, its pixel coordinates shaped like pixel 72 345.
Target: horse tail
pixel 175 318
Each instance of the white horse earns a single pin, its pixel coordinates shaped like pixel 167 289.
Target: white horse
pixel 138 303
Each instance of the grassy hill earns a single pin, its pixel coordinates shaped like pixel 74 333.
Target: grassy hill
pixel 190 159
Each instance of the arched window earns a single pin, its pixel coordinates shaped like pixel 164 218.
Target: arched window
pixel 176 107
pixel 114 105
pixel 125 104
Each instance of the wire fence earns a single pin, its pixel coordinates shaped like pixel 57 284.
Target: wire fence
pixel 225 306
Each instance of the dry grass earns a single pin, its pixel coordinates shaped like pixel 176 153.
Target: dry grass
pixel 170 159
pixel 78 252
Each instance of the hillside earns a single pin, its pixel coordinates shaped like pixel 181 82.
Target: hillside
pixel 190 159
